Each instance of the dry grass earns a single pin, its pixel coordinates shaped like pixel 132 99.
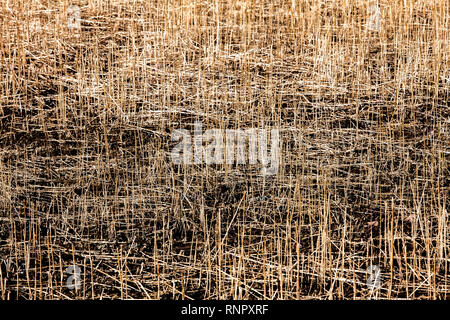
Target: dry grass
pixel 86 118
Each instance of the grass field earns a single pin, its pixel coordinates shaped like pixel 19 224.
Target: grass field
pixel 92 205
